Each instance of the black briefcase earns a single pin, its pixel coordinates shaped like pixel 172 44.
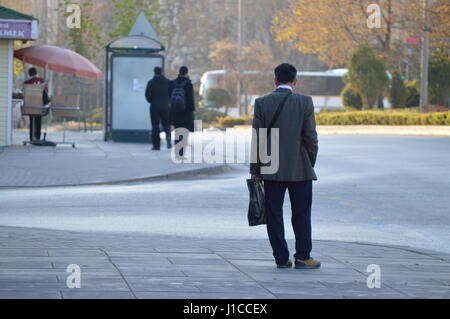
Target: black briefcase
pixel 257 208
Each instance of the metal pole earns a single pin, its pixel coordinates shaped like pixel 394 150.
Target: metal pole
pixel 240 44
pixel 106 104
pixel 425 59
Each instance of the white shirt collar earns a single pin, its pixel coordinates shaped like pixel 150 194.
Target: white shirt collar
pixel 285 87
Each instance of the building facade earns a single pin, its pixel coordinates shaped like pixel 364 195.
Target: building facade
pixel 5 92
pixel 13 26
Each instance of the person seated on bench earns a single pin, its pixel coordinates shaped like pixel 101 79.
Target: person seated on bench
pixel 36 121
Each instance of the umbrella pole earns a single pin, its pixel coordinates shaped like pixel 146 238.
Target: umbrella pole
pixel 45 72
pixel 48 79
pixel 50 82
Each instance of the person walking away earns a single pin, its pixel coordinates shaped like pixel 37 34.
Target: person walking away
pixel 157 94
pixel 36 121
pixel 182 103
pixel 298 149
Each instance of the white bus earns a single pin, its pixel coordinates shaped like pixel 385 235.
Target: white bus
pixel 324 87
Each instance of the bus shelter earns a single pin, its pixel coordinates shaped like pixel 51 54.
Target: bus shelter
pixel 130 62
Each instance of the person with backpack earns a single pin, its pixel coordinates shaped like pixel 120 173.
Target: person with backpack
pixel 182 104
pixel 157 94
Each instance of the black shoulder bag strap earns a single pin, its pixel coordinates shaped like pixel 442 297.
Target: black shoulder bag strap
pixel 277 113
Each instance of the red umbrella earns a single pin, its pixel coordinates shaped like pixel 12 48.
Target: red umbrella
pixel 60 60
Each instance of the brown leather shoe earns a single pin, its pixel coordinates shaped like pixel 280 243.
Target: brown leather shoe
pixel 287 265
pixel 307 264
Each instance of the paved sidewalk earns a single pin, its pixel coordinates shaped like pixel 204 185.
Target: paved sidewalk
pixel 33 264
pixel 91 162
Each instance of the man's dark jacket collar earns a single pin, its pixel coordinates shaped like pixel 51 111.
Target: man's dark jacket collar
pixel 283 90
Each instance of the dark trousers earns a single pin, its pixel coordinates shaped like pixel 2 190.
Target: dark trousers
pixel 183 120
pixel 183 140
pixel 159 117
pixel 35 128
pixel 300 194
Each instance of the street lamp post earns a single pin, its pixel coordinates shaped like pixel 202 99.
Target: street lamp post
pixel 425 58
pixel 240 44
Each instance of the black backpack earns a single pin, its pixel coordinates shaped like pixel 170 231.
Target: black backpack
pixel 178 98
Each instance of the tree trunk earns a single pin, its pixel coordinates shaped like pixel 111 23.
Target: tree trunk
pixel 381 102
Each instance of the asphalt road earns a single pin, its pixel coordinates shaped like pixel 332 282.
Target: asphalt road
pixel 378 189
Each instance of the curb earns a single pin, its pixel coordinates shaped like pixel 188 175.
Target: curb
pixel 213 170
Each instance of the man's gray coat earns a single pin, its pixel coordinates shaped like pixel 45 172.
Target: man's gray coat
pixel 298 142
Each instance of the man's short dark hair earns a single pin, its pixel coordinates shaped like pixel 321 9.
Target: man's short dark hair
pixel 285 73
pixel 32 72
pixel 157 70
pixel 184 70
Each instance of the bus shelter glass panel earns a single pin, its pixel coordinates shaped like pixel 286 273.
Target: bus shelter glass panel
pixel 130 109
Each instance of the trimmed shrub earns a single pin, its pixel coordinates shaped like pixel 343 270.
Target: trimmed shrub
pixel 218 97
pixel 370 117
pixel 351 98
pixel 440 78
pixel 208 116
pixel 229 121
pixel 381 117
pixel 367 75
pixel 398 93
pixel 413 94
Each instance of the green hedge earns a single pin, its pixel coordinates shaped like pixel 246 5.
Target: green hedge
pixel 372 117
pixel 229 121
pixel 208 116
pixel 384 117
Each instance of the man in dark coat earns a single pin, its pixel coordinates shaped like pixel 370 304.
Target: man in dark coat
pixel 157 94
pixel 298 149
pixel 184 119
